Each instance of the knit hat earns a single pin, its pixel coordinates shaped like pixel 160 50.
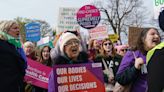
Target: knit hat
pixel 161 20
pixel 65 37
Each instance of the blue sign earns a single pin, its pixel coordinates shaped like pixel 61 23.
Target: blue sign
pixel 32 31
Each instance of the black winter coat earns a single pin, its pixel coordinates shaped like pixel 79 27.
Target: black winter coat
pixel 11 68
pixel 156 71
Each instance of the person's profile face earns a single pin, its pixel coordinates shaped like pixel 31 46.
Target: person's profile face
pixel 14 30
pixel 152 39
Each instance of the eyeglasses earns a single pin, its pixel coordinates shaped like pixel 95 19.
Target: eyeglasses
pixel 75 42
pixel 107 44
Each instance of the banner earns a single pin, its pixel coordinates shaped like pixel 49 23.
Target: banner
pixel 37 74
pixel 79 78
pixel 99 32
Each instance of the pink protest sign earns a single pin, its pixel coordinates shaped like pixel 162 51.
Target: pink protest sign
pixel 37 74
pixel 99 32
pixel 88 16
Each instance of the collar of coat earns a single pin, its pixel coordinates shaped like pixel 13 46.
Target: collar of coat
pixel 151 52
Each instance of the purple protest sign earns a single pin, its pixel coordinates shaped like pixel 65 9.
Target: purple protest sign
pixel 79 78
pixel 88 16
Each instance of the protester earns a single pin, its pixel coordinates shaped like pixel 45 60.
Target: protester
pixel 93 49
pixel 29 49
pixel 83 44
pixel 130 71
pixel 30 52
pixel 45 58
pixel 12 58
pixel 94 44
pixel 121 49
pixel 56 51
pixel 155 63
pixel 70 54
pixel 109 58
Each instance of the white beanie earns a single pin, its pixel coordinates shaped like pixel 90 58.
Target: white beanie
pixel 65 37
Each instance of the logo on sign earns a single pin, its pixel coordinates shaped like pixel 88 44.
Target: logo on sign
pixel 88 16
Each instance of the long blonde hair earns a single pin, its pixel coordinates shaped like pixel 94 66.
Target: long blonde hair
pixel 5 27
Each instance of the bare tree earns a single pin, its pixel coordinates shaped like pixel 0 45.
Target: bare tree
pixel 155 23
pixel 122 14
pixel 45 28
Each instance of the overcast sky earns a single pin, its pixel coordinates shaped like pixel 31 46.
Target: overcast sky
pixel 43 9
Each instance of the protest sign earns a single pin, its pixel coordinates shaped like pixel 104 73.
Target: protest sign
pixel 67 19
pixel 88 16
pixel 32 31
pixel 37 74
pixel 45 42
pixel 158 7
pixel 99 32
pixel 134 33
pixel 79 78
pixel 113 37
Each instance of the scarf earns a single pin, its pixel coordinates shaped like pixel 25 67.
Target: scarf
pixel 17 44
pixel 11 40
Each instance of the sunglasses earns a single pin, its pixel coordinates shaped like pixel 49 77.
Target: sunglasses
pixel 124 49
pixel 107 44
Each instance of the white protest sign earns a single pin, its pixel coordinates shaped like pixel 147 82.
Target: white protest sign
pixel 158 7
pixel 43 41
pixel 67 19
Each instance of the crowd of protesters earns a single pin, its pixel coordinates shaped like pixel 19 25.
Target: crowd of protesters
pixel 121 64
